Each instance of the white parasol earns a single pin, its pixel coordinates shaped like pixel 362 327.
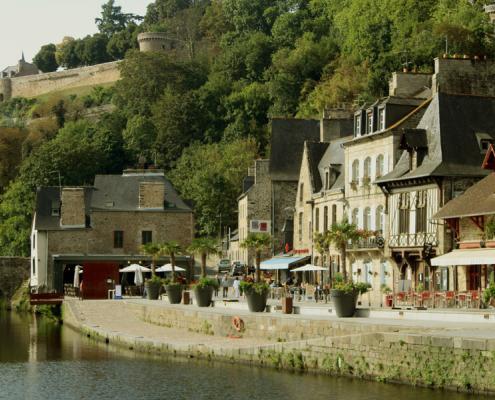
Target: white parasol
pixel 135 268
pixel 168 268
pixel 309 267
pixel 77 271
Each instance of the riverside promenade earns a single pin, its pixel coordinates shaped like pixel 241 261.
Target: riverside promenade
pixel 431 352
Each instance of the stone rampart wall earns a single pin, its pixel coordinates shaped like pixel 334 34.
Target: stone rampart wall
pixel 36 85
pixel 13 271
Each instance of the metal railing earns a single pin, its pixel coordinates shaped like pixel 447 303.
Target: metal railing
pixel 413 239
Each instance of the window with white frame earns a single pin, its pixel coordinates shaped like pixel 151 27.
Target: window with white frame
pixel 379 219
pixel 384 272
pixel 355 216
pixel 357 125
pixel 355 171
pixel 381 118
pixel 369 122
pixel 367 218
pixel 379 165
pixel 367 169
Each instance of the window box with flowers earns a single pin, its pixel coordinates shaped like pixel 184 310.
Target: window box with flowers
pixel 366 181
pixel 354 184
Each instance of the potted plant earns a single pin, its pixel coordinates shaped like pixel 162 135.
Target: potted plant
pixel 173 288
pixel 388 297
pixel 153 285
pixel 344 295
pixel 256 295
pixel 354 185
pixel 256 292
pixel 489 293
pixel 490 232
pixel 203 291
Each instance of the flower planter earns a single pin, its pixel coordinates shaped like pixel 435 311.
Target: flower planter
pixel 490 243
pixel 203 295
pixel 344 302
pixel 152 290
pixel 256 301
pixel 174 293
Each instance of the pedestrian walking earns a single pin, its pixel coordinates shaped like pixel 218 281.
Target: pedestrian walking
pixel 225 286
pixel 236 285
pixel 217 278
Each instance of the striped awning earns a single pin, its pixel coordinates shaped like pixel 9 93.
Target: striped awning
pixel 465 257
pixel 281 262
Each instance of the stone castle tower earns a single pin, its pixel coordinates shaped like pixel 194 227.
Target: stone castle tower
pixel 155 41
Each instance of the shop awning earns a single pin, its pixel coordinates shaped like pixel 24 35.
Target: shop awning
pixel 465 257
pixel 281 262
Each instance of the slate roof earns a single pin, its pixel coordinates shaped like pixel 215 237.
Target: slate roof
pixel 123 191
pixel 120 190
pixel 479 199
pixel 45 197
pixel 451 123
pixel 287 146
pixel 315 151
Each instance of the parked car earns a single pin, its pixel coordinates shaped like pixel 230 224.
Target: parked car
pixel 223 266
pixel 238 268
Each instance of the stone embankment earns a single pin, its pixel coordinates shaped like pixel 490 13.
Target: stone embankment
pixel 457 356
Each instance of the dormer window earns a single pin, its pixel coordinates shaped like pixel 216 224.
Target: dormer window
pixel 381 118
pixel 369 122
pixel 357 125
pixel 55 209
pixel 484 141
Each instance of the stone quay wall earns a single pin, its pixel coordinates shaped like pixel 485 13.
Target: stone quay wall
pixel 36 85
pixel 13 272
pixel 334 347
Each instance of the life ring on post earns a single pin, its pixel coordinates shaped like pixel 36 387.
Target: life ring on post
pixel 238 324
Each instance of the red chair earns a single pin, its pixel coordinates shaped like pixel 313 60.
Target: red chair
pixel 400 298
pixel 473 299
pixel 425 298
pixel 461 299
pixel 449 298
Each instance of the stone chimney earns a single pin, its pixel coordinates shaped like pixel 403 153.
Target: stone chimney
pixel 471 76
pixel 152 195
pixel 73 209
pixel 336 123
pixel 410 84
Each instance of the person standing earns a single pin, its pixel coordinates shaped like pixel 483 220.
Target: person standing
pixel 225 286
pixel 236 285
pixel 217 279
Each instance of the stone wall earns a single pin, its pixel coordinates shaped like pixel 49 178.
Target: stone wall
pixel 36 85
pixel 13 271
pixel 151 195
pixel 73 210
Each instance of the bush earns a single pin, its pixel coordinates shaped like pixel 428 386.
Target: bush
pixel 258 287
pixel 207 282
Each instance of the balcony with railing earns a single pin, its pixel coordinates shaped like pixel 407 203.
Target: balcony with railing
pixel 413 239
pixel 368 243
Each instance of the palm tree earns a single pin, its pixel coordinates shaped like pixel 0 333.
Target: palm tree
pixel 154 250
pixel 171 249
pixel 322 244
pixel 257 242
pixel 340 234
pixel 204 246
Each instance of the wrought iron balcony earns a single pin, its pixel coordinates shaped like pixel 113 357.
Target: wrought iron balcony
pixel 373 242
pixel 413 239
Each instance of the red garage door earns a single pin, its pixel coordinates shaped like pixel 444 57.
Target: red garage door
pixel 95 278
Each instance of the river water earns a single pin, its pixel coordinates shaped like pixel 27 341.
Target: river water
pixel 42 360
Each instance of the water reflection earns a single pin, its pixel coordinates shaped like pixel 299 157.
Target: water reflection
pixel 41 360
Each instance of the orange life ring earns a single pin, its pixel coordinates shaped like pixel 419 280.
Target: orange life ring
pixel 238 324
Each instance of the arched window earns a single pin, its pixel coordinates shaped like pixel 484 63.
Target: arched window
pixel 300 228
pixel 367 169
pixel 355 171
pixel 355 216
pixel 317 219
pixel 379 166
pixel 367 219
pixel 334 214
pixel 379 219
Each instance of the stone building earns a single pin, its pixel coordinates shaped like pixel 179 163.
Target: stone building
pixel 439 160
pixel 22 68
pixel 102 228
pixel 155 41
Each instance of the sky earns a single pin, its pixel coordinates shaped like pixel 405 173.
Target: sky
pixel 26 25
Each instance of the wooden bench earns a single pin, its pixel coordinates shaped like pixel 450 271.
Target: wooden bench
pixel 37 299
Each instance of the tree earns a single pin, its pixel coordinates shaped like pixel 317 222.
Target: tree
pixel 258 242
pixel 121 42
pixel 66 54
pixel 11 142
pixel 113 20
pixel 210 177
pixel 45 59
pixel 171 249
pixel 204 246
pixel 340 234
pixel 155 251
pixel 321 242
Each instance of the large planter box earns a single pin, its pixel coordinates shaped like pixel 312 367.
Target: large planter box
pixel 344 303
pixel 203 296
pixel 174 293
pixel 256 301
pixel 152 290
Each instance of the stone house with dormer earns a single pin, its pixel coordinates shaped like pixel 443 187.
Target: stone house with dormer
pixel 102 228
